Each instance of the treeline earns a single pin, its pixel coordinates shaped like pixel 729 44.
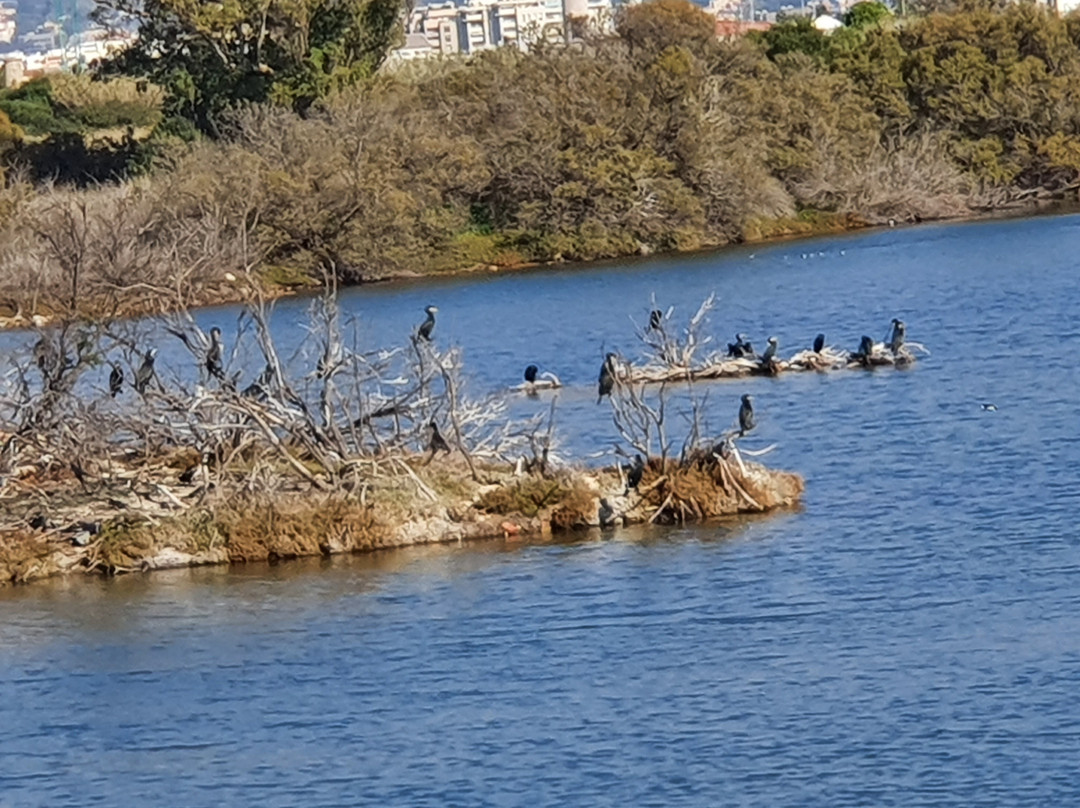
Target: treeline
pixel 657 137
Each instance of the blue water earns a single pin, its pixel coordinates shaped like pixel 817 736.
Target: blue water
pixel 909 637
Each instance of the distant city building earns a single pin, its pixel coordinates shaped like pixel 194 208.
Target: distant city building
pixel 8 28
pixel 729 29
pixel 447 28
pixel 88 47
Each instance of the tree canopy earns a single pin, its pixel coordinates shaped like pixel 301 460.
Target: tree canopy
pixel 209 56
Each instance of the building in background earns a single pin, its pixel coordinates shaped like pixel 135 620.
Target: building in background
pixel 8 28
pixel 449 27
pixel 83 50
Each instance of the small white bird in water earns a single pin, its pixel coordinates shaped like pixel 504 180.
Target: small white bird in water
pixel 989 407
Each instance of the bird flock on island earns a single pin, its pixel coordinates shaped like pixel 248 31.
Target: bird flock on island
pixel 613 371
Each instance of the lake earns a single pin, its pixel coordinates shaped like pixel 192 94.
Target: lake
pixel 910 636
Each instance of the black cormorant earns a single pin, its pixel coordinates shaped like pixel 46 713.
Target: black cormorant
pixel 530 373
pixel 746 415
pixel 438 442
pixel 740 348
pixel 770 352
pixel 46 356
pixel 896 341
pixel 819 343
pixel 656 317
pixel 213 355
pixel 116 381
pixel 866 350
pixel 633 476
pixel 426 327
pixel 607 377
pixel 258 388
pixel 146 371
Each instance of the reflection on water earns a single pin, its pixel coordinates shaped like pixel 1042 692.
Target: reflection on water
pixel 911 636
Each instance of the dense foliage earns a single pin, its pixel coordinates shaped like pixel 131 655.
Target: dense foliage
pixel 74 129
pixel 209 56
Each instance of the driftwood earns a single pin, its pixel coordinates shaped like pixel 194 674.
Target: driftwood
pixel 717 366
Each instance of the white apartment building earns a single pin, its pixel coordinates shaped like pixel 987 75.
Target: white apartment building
pixel 445 28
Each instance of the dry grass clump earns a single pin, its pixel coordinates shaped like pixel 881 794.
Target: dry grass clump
pixel 25 556
pixel 264 529
pixel 124 544
pixel 706 487
pixel 526 496
pixel 577 509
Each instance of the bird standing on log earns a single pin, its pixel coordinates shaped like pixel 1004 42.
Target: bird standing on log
pixel 426 327
pixel 145 371
pixel 896 341
pixel 746 415
pixel 656 318
pixel 770 352
pixel 866 350
pixel 819 343
pixel 740 348
pixel 606 382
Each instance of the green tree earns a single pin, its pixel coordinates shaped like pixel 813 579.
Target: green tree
pixel 210 56
pixel 10 137
pixel 866 15
pixel 797 35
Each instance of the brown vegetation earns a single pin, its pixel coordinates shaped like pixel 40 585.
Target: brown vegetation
pixel 660 137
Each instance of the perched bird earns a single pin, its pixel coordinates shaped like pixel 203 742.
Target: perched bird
pixel 740 348
pixel 866 350
pixel 426 327
pixel 607 377
pixel 116 381
pixel 633 476
pixel 770 352
pixel 896 341
pixel 746 415
pixel 213 355
pixel 258 388
pixel 723 448
pixel 819 343
pixel 656 317
pixel 438 442
pixel 535 380
pixel 145 371
pixel 47 357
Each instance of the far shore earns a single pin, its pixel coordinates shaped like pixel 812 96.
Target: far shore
pixel 233 290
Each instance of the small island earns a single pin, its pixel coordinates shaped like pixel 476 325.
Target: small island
pixel 115 463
